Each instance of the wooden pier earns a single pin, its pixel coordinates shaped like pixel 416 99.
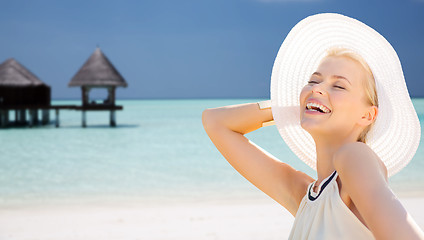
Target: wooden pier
pixel 32 112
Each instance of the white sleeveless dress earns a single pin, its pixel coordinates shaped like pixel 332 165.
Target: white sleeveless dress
pixel 324 215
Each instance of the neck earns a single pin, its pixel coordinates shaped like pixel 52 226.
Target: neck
pixel 326 147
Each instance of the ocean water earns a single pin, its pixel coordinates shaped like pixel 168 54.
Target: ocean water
pixel 159 152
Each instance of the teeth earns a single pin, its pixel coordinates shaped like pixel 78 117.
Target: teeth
pixel 321 107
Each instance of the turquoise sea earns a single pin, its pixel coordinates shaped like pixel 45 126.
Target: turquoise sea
pixel 159 152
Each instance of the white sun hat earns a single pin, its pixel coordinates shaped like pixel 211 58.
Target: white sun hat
pixel 396 133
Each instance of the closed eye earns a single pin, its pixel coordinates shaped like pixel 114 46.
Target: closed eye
pixel 339 87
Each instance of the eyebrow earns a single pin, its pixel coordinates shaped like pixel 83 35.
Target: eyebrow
pixel 334 76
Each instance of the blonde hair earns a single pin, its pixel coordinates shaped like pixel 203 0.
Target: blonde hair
pixel 368 83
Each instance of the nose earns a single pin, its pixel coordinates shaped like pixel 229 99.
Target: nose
pixel 317 88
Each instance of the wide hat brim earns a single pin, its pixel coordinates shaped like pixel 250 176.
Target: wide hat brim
pixel 396 133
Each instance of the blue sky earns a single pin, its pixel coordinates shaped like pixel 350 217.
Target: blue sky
pixel 188 48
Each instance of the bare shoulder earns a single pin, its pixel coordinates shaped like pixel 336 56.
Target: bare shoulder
pixel 363 178
pixel 358 158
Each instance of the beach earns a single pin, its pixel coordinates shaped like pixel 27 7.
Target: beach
pixel 239 220
pixel 102 102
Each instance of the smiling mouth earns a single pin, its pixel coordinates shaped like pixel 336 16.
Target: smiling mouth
pixel 317 108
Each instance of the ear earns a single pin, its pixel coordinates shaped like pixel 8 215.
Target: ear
pixel 369 116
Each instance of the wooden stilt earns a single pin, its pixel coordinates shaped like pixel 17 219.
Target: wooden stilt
pixel 84 120
pixel 112 119
pixel 45 116
pixel 57 117
pixel 6 118
pixel 35 113
pixel 16 116
pixel 22 117
pixel 2 118
pixel 31 117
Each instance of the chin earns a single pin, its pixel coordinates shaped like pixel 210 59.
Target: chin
pixel 308 124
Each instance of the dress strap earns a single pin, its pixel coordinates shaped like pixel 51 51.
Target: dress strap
pixel 312 195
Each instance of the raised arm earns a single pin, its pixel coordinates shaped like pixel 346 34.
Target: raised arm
pixel 226 127
pixel 365 181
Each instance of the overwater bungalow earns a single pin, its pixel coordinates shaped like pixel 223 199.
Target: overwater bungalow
pixel 98 72
pixel 21 91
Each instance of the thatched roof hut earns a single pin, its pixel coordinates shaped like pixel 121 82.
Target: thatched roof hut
pixel 18 86
pixel 98 72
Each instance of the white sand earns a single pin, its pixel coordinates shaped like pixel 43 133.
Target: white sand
pixel 259 220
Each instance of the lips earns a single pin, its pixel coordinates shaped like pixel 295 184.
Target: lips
pixel 315 106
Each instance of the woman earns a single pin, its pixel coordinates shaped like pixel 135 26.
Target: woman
pixel 340 102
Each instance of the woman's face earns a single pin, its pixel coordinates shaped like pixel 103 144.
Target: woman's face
pixel 337 85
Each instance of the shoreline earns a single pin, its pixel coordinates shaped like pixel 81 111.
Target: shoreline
pixel 225 198
pixel 238 219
